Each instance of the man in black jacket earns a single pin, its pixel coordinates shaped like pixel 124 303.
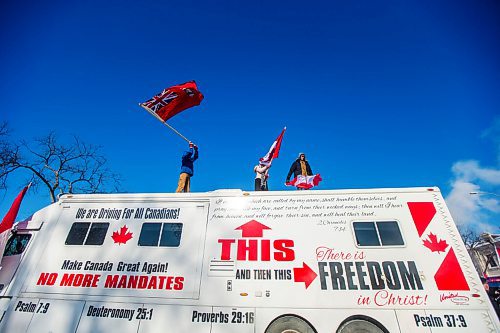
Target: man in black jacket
pixel 299 167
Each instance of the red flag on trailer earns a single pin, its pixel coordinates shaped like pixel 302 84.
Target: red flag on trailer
pixel 10 218
pixel 305 182
pixel 273 151
pixel 173 100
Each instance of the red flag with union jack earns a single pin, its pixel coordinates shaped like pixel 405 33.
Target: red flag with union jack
pixel 173 100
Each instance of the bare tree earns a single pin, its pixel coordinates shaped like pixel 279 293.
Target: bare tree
pixel 5 153
pixel 470 237
pixel 74 168
pixel 4 130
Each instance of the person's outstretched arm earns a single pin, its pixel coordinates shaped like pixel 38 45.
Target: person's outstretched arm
pixel 194 155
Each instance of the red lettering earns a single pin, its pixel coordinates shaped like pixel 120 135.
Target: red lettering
pixel 226 248
pixel 111 281
pixel 179 283
pixel 143 281
pixel 286 247
pixel 251 249
pixel 383 298
pixel 79 280
pixel 265 251
pixel 42 279
pixel 47 279
pixel 123 282
pixel 87 280
pixel 363 300
pixel 136 281
pixel 152 283
pixel 324 253
pixel 248 249
pixel 132 281
pixel 95 280
pixel 162 281
pixel 169 282
pixel 67 280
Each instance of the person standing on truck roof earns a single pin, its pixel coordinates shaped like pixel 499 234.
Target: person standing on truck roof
pixel 187 168
pixel 299 167
pixel 261 175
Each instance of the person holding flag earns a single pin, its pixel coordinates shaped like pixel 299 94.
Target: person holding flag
pixel 170 102
pixel 304 178
pixel 187 168
pixel 262 169
pixel 261 175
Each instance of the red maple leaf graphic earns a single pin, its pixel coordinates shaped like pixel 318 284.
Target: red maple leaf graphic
pixel 123 236
pixel 433 244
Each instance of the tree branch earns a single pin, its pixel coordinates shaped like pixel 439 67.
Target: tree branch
pixel 74 168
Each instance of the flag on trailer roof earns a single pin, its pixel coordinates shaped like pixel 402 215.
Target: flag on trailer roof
pixel 10 218
pixel 273 151
pixel 497 248
pixel 305 182
pixel 173 100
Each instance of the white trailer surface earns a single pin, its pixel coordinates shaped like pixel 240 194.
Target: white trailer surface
pixel 371 260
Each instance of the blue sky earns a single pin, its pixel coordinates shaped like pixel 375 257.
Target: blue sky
pixel 377 94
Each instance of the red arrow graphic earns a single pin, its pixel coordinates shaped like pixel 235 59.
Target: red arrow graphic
pixel 252 229
pixel 304 274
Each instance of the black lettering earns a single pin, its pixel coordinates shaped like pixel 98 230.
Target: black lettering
pixel 375 274
pixel 411 278
pixel 338 281
pixel 391 275
pixel 361 276
pixel 322 275
pixel 350 275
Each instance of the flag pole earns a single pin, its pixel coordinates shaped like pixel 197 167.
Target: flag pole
pixel 164 122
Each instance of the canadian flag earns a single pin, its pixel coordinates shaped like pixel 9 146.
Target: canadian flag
pixel 273 151
pixel 305 182
pixel 9 219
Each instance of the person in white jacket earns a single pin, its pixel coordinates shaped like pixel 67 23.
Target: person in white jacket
pixel 261 175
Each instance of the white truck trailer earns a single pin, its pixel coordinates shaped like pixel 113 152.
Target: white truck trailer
pixel 342 261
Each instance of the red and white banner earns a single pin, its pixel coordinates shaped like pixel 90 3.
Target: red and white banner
pixel 423 213
pixel 173 100
pixel 9 219
pixel 305 182
pixel 273 151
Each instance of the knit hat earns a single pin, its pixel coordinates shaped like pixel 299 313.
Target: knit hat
pixel 301 154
